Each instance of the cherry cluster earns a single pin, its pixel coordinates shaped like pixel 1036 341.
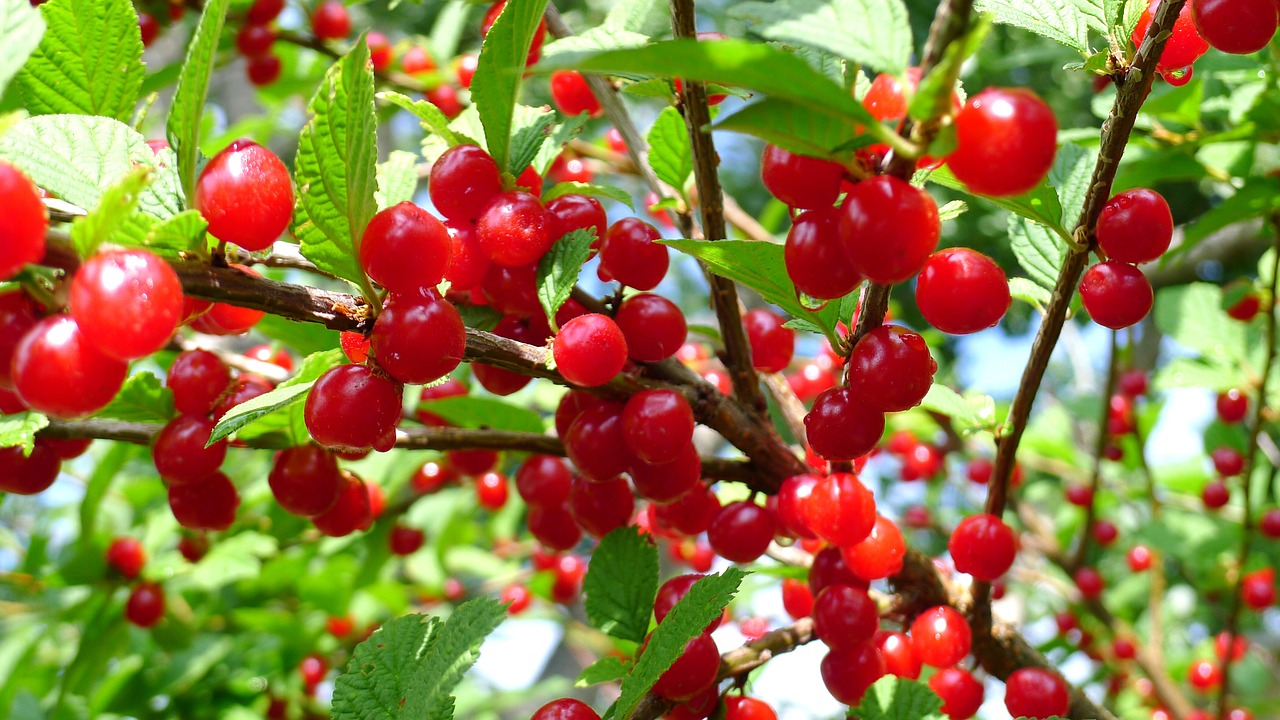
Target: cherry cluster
pixel 1238 27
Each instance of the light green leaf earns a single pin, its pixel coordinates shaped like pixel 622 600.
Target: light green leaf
pixel 183 125
pixel 21 28
pixel 88 61
pixel 596 38
pixel 670 154
pixel 1070 176
pixel 1259 196
pixel 496 83
pixel 450 652
pixel 560 136
pixel 705 602
pixel 142 399
pixel 934 96
pixel 1029 292
pixel 20 429
pixel 183 232
pixel 581 188
pixel 796 128
pixel 1039 251
pixel 249 412
pixel 484 412
pixel 279 410
pixel 952 210
pixel 433 120
pixel 1192 315
pixel 380 674
pixel 1040 204
pixel 1182 372
pixel 838 27
pixel 968 415
pixel 75 157
pixel 558 270
pixel 1059 20
pixel 336 168
pixel 238 557
pixel 607 669
pixel 621 583
pixel 894 698
pixel 397 179
pixel 113 211
pixel 530 128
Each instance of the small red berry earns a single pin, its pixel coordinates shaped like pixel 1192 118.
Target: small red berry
pixel 1232 406
pixel 961 693
pixel 419 338
pixel 891 369
pixel 463 181
pixel 841 427
pixel 848 673
pixel 208 504
pixel 246 195
pixel 405 540
pixel 405 249
pixel 960 291
pixel 1116 294
pixel 1006 139
pixel 590 350
pixel 127 303
pixel 772 344
pixel 1090 582
pixel 880 554
pixel 572 95
pixel 799 181
pixel 899 655
pixel 56 370
pixel 22 236
pixel 741 532
pixel 845 617
pixel 1035 693
pixel 889 228
pixel 565 709
pixel 180 451
pixel 331 21
pixel 941 636
pixel 630 255
pixel 305 480
pixel 1239 27
pixel 350 408
pixel 1136 226
pixel 515 229
pixel 255 40
pixel 1216 494
pixel 840 510
pixel 145 606
pixel 127 555
pixel 816 259
pixel 353 510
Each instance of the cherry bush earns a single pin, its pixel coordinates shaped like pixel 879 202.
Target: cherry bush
pixel 276 350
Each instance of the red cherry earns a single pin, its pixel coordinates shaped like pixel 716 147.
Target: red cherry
pixel 690 514
pixel 180 454
pixel 22 237
pixel 1270 523
pixel 791 496
pixel 145 606
pixel 653 327
pixel 126 555
pixel 468 262
pixel 1139 558
pixel 405 540
pixel 467 69
pixel 445 98
pixel 741 532
pixel 694 671
pixel 960 291
pixel 127 303
pixel 590 350
pixel 596 442
pixel 208 504
pixel 572 95
pixel 1105 533
pixel 799 181
pixel 840 510
pixel 746 708
pixel 565 709
pixel 1258 588
pixel 1183 48
pixel 418 338
pixel 1116 294
pixel 570 169
pixel 848 673
pixel 28 475
pixel 242 390
pixel 657 425
pixel 1227 461
pixel 1136 226
pixel 941 636
pixel 544 480
pixel 331 21
pixel 1239 27
pixel 17 316
pixel 1090 582
pixel 515 229
pixel 492 491
pixel 246 195
pixel 1246 308
pixel 1035 693
pixel 772 345
pixel 891 369
pixel 380 51
pixel 313 669
pixel 667 482
pixel 630 255
pixel 1133 383
pixel 350 408
pixel 1232 406
pixel 878 556
pixel 148 28
pixel 1006 139
pixel 845 617
pixel 553 526
pixel 889 228
pixel 405 249
pixel 255 40
pixel 68 449
pixel 514 291
pixel 58 372
pixel 579 212
pixel 840 427
pixel 983 546
pixel 899 655
pixel 463 181
pixel 472 463
pixel 264 11
pixel 350 513
pixel 797 599
pixel 816 259
pixel 829 569
pixel 305 480
pixel 599 507
pixel 1215 495
pixel 673 591
pixel 961 694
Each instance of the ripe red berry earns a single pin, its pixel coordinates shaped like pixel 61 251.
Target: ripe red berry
pixel 565 709
pixel 492 491
pixel 746 708
pixel 845 616
pixel 264 11
pixel 243 389
pixel 514 291
pixel 255 40
pixel 1136 226
pixel 350 408
pixel 673 591
pixel 405 540
pixel 553 526
pixel 58 372
pixel 1270 523
pixel 840 510
pixel 305 480
pixel 1239 27
pixel 829 569
pixel 657 425
pixel 941 636
pixel 802 182
pixel 669 481
pixel 468 262
pixel 353 510
pixel 1105 533
pixel 1116 294
pixel 797 599
pixel 28 475
pixel 127 303
pixel 889 227
pixel 180 454
pixel 418 338
pixel 148 28
pixel 578 212
pixel 961 693
pixel 22 236
pixel 1227 461
pixel 1139 558
pixel 405 249
pixel 878 556
pixel 692 513
pixel 772 345
pixel 1035 693
pixel 246 195
pixel 848 673
pixel 208 504
pixel 544 480
pixel 630 255
pixel 417 60
pixel 596 443
pixel 983 546
pixel 572 95
pixel 590 350
pixel 1215 495
pixel 127 555
pixel 1232 406
pixel 741 532
pixel 463 181
pixel 791 496
pixel 653 327
pixel 1090 583
pixel 17 316
pixel 816 259
pixel 145 606
pixel 1006 139
pixel 960 291
pixel 899 655
pixel 1133 383
pixel 599 507
pixel 515 229
pixel 331 21
pixel 841 427
pixel 891 369
pixel 693 672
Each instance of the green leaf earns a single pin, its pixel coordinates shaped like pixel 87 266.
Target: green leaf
pixel 264 412
pixel 247 413
pixel 558 270
pixel 530 129
pixel 621 583
pixel 1192 315
pixel 1039 251
pixel 336 168
pixel 1059 20
pixel 607 669
pixel 933 97
pixel 450 652
pixel 839 27
pixel 238 557
pixel 20 429
pixel 485 412
pixel 581 188
pixel 560 136
pixel 1029 292
pixel 894 698
pixel 795 128
pixel 379 676
pixel 496 83
pixel 670 154
pixel 1258 196
pixel 967 414
pixel 75 156
pixel 183 124
pixel 142 399
pixel 433 120
pixel 705 602
pixel 397 179
pixel 952 210
pixel 21 28
pixel 1040 204
pixel 480 317
pixel 183 232
pixel 1070 176
pixel 597 38
pixel 88 61
pixel 113 211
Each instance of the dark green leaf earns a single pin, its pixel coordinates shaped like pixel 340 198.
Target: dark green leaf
pixel 838 27
pixel 795 128
pixel 621 583
pixel 142 399
pixel 670 154
pixel 379 675
pixel 894 698
pixel 449 653
pixel 495 86
pixel 485 412
pixel 558 270
pixel 581 188
pixel 530 128
pixel 183 125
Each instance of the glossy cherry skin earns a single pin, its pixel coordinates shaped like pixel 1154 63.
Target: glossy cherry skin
pixel 255 40
pixel 305 480
pixel 1258 588
pixel 145 606
pixel 631 256
pixel 1232 406
pixel 1239 27
pixel 208 504
pixel 653 327
pixel 830 569
pixel 1090 582
pixel 889 228
pixel 553 526
pixel 492 491
pixel 148 28
pixel 741 532
pixel 22 235
pixel 797 599
pixel 692 513
pixel 816 259
pixel 891 368
pixel 1116 294
pixel 839 427
pixel 669 481
pixel 845 617
pixel 596 443
pixel 418 338
pixel 565 709
pixel 405 540
pixel 468 262
pixel 352 512
pixel 579 212
pixel 180 454
pixel 405 249
pixel 772 345
pixel 544 480
pixel 899 655
pixel 572 95
pixel 1006 139
pixel 264 11
pixel 246 195
pixel 515 229
pixel 599 507
pixel 960 291
pixel 840 510
pixel 879 555
pixel 28 475
pixel 792 495
pixel 1136 226
pixel 941 636
pixel 657 425
pixel 127 556
pixel 331 20
pixel 802 182
pixel 514 291
pixel 350 408
pixel 983 546
pixel 17 316
pixel 58 372
pixel 242 390
pixel 693 672
pixel 590 350
pixel 127 303
pixel 961 693
pixel 747 708
pixel 848 673
pixel 463 181
pixel 1035 693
